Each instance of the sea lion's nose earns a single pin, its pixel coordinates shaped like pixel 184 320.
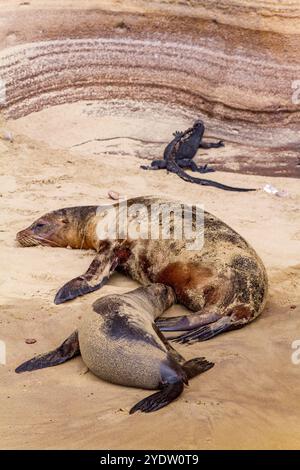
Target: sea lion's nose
pixel 22 236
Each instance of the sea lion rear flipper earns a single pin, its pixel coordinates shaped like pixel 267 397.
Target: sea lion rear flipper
pixel 158 400
pixel 196 366
pixel 95 277
pixel 67 350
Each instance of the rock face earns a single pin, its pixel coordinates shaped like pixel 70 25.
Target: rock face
pixel 234 63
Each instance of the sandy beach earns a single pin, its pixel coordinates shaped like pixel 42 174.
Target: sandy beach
pixel 248 400
pixel 89 91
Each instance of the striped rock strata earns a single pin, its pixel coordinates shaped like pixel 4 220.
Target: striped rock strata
pixel 235 63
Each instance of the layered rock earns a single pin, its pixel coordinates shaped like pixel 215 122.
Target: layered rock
pixel 233 63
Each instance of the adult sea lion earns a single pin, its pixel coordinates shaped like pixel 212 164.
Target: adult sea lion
pixel 120 343
pixel 223 282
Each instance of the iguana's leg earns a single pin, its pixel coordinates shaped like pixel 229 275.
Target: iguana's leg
pixel 211 145
pixel 187 164
pixel 155 165
pixel 191 165
pixel 178 133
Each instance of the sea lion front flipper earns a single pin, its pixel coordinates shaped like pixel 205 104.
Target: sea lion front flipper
pixel 196 366
pixel 67 350
pixel 158 400
pixel 95 277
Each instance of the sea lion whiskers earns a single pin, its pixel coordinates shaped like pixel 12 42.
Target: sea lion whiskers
pixel 28 241
pixel 52 242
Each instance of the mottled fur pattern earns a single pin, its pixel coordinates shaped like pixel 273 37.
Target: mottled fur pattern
pixel 117 339
pixel 226 277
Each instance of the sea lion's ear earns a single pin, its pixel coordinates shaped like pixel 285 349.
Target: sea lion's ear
pixel 64 221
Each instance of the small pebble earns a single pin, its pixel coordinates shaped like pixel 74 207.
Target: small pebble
pixel 114 195
pixel 293 306
pixel 30 341
pixel 6 135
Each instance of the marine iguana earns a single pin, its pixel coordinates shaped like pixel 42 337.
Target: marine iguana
pixel 180 152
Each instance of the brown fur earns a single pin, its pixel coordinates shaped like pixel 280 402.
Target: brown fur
pixel 225 277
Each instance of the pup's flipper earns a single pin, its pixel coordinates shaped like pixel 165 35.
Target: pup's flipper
pixel 158 400
pixel 175 354
pixel 67 350
pixel 196 366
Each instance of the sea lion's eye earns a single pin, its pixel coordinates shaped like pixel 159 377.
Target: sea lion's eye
pixel 64 221
pixel 39 225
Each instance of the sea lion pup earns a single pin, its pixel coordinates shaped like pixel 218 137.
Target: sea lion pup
pixel 120 343
pixel 223 282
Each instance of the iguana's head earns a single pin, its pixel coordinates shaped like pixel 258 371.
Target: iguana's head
pixel 198 123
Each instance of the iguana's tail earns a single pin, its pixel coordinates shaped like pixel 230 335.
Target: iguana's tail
pixel 174 168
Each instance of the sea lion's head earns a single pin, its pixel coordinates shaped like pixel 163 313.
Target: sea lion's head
pixel 160 295
pixel 61 228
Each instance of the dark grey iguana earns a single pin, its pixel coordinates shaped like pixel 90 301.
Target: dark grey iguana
pixel 180 152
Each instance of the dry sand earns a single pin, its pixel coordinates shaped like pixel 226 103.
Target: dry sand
pixel 250 399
